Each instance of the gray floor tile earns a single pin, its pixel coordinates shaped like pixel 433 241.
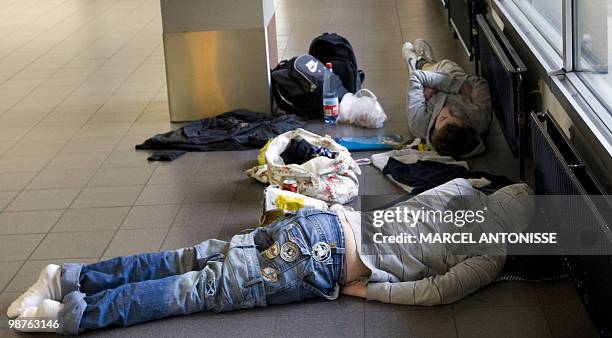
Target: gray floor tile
pixel 60 179
pixel 15 181
pixel 6 145
pixel 23 163
pixel 18 247
pixel 201 214
pixel 501 294
pixel 322 307
pixel 28 274
pixel 43 199
pixel 190 159
pixel 163 194
pixel 521 321
pixel 413 322
pixel 380 185
pixel 151 216
pixel 103 129
pixel 35 148
pixel 569 321
pixel 107 197
pixel 173 174
pixel 134 241
pixel 8 271
pixel 244 212
pixel 209 172
pixel 249 190
pixel 92 219
pixel 246 325
pixel 73 245
pixel 77 161
pixel 6 197
pixel 121 176
pixel 128 158
pixel 28 222
pixel 348 324
pixel 200 192
pixel 89 144
pixel 181 237
pixel 560 292
pixel 129 141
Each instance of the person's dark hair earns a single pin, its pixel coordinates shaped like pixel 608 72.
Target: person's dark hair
pixel 454 140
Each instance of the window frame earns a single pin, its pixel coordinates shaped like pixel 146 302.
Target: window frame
pixel 569 87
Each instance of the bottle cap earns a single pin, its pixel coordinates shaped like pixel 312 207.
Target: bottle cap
pixel 328 65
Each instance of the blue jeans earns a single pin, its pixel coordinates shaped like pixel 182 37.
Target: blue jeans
pixel 295 258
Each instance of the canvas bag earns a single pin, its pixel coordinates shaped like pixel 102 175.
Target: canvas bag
pixel 330 180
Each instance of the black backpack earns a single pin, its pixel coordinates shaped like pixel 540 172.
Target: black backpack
pixel 297 86
pixel 331 47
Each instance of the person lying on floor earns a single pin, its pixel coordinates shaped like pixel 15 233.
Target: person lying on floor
pixel 310 254
pixel 448 108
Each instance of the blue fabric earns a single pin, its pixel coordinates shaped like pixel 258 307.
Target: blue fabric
pixel 368 143
pixel 212 276
pixel 305 277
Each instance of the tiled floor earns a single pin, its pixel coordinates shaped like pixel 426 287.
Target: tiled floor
pixel 82 82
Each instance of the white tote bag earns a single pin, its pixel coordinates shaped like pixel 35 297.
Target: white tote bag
pixel 331 180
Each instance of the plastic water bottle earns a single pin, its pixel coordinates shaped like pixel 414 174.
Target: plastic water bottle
pixel 330 98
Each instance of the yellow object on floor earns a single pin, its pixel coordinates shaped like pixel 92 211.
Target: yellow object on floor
pixel 261 158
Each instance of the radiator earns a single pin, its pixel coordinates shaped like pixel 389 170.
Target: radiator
pixel 462 18
pixel 500 65
pixel 559 170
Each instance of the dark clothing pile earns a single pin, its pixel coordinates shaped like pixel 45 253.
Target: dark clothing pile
pixel 235 130
pixel 300 151
pixel 425 175
pixel 166 155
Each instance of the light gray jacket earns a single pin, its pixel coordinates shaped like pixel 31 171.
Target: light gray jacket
pixel 448 79
pixel 432 274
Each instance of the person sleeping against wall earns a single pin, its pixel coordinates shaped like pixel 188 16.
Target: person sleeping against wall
pixel 309 254
pixel 448 108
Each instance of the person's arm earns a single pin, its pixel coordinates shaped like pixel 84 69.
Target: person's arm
pixel 440 81
pixel 461 280
pixel 421 86
pixel 479 93
pixel 479 98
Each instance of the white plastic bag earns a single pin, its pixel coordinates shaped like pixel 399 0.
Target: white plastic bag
pixel 362 109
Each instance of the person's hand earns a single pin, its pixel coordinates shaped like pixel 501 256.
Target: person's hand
pixel 428 92
pixel 356 289
pixel 466 89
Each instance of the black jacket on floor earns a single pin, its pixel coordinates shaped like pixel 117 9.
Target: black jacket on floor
pixel 424 175
pixel 235 130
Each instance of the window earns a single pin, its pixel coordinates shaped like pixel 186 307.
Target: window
pixel 547 17
pixel 574 36
pixel 593 47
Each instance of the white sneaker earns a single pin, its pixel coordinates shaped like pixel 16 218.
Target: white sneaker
pixel 410 56
pixel 424 51
pixel 46 287
pixel 47 310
